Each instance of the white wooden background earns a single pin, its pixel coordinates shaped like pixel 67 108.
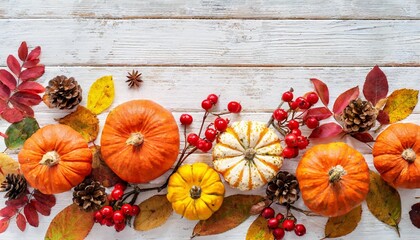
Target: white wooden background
pixel 244 50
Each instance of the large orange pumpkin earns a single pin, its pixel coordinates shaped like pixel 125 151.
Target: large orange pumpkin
pixel 396 155
pixel 333 178
pixel 140 141
pixel 55 159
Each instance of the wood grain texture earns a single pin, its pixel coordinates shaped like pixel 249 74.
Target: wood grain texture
pixel 159 42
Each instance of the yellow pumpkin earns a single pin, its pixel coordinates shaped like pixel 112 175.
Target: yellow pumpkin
pixel 195 191
pixel 247 154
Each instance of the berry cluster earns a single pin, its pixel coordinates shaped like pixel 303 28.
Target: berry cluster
pixel 288 121
pixel 279 223
pixel 117 214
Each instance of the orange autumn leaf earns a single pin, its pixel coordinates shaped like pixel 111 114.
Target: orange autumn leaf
pixel 83 121
pixel 7 166
pixel 154 212
pixel 259 230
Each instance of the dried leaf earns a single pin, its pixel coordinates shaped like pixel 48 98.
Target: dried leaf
pixel 258 207
pixel 31 64
pixel 344 99
pixel 234 210
pixel 381 103
pixel 320 113
pixel 4 224
pixel 8 79
pixel 259 230
pixel 322 91
pixel 12 115
pixel 383 117
pixel 46 199
pixel 33 73
pixel 4 92
pixel 7 165
pixel 18 202
pixel 376 85
pixel 343 225
pixel 21 222
pixel 31 215
pixel 384 201
pixel 154 212
pixel 83 121
pixel 101 95
pixel 23 51
pixel 26 98
pixel 41 207
pixel 70 223
pixel 415 214
pixel 18 132
pixel 34 54
pixel 13 65
pixel 100 171
pixel 31 87
pixel 400 104
pixel 326 130
pixel 8 211
pixel 364 137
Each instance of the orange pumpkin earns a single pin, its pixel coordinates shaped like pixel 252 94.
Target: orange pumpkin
pixel 396 155
pixel 140 141
pixel 55 159
pixel 333 179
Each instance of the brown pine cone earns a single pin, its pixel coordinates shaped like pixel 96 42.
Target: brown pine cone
pixel 15 185
pixel 284 188
pixel 89 195
pixel 62 93
pixel 359 116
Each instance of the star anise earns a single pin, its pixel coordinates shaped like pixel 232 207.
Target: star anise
pixel 134 79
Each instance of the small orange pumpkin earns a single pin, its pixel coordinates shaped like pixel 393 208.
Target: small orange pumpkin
pixel 396 155
pixel 333 178
pixel 140 141
pixel 55 159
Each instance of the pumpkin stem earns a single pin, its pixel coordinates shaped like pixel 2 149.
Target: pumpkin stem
pixel 195 192
pixel 409 155
pixel 135 139
pixel 250 154
pixel 335 173
pixel 50 159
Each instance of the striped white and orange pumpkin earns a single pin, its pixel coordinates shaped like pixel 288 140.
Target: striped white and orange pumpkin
pixel 247 154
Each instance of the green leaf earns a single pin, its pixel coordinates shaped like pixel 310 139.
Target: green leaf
pixel 384 201
pixel 71 223
pixel 343 225
pixel 154 212
pixel 18 132
pixel 234 210
pixel 101 94
pixel 400 104
pixel 259 230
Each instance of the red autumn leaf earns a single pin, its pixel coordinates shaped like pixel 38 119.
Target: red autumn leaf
pixel 7 79
pixel 21 222
pixel 34 54
pixel 383 117
pixel 32 73
pixel 344 99
pixel 326 130
pixel 48 200
pixel 26 98
pixel 8 211
pixel 24 109
pixel 376 85
pixel 3 105
pixel 41 207
pixel 320 113
pixel 31 86
pixel 3 135
pixel 4 92
pixel 31 215
pixel 4 224
pixel 12 115
pixel 17 203
pixel 23 51
pixel 363 137
pixel 31 64
pixel 322 91
pixel 13 65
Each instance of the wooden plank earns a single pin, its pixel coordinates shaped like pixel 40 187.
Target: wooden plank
pixel 217 42
pixel 260 9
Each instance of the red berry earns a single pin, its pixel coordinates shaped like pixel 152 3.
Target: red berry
pixel 287 96
pixel 278 233
pixel 312 98
pixel 302 142
pixel 121 186
pixel 290 152
pixel 98 216
pixel 108 222
pixel 117 194
pixel 280 114
pixel 293 124
pixel 273 223
pixel 186 119
pixel 296 131
pixel 104 221
pixel 234 107
pixel 300 229
pixel 126 209
pixel 204 145
pixel 299 100
pixel 213 98
pixel 304 104
pixel 290 140
pixel 288 225
pixel 267 213
pixel 280 217
pixel 135 209
pixel 312 122
pixel 220 124
pixel 206 104
pixel 210 134
pixel 192 139
pixel 293 105
pixel 200 143
pixel 118 216
pixel 107 211
pixel 119 226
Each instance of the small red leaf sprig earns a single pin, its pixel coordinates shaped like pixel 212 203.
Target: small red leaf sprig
pixel 18 89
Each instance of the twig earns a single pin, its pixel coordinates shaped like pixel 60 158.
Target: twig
pixel 306 212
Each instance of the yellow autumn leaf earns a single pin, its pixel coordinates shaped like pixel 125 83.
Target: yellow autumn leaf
pixel 83 121
pixel 400 104
pixel 101 94
pixel 7 165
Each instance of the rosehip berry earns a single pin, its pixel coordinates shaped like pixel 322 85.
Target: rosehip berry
pixel 290 140
pixel 234 107
pixel 273 223
pixel 118 216
pixel 290 152
pixel 293 124
pixel 280 114
pixel 121 186
pixel 287 96
pixel 210 134
pixel 186 119
pixel 107 211
pixel 288 225
pixel 280 217
pixel 300 229
pixel 119 226
pixel 278 233
pixel 98 216
pixel 135 209
pixel 206 104
pixel 302 142
pixel 293 105
pixel 312 98
pixel 267 213
pixel 296 131
pixel 213 98
pixel 117 194
pixel 126 209
pixel 192 139
pixel 312 122
pixel 220 124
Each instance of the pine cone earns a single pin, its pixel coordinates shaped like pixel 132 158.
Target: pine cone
pixel 15 185
pixel 359 116
pixel 62 93
pixel 89 195
pixel 284 188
